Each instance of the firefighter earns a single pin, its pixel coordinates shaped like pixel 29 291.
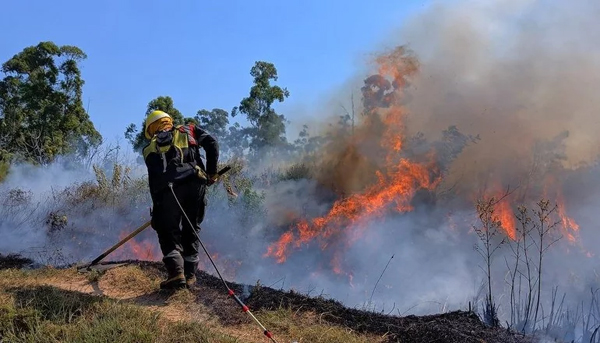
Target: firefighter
pixel 173 157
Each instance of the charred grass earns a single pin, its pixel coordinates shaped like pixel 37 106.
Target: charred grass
pixel 272 305
pixel 14 261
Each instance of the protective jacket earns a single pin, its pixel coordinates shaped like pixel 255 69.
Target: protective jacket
pixel 171 156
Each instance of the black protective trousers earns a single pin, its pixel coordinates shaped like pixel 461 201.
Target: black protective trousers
pixel 178 242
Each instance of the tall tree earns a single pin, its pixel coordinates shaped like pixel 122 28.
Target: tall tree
pixel 237 140
pixel 215 122
pixel 163 103
pixel 267 127
pixel 41 108
pixel 306 144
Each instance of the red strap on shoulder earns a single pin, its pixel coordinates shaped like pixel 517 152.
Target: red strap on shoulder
pixel 191 134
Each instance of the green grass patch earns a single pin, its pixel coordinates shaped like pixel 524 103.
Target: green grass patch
pixel 46 314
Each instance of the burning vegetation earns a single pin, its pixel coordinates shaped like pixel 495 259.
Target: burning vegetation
pixel 386 167
pixel 457 143
pixel 380 168
pixel 376 145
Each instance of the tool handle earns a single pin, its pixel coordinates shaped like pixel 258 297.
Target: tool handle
pixel 221 172
pixel 224 170
pixel 114 247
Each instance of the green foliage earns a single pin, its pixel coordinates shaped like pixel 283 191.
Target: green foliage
pixel 252 201
pixel 305 145
pixel 4 167
pixel 41 108
pixel 112 198
pixel 268 127
pixel 249 204
pixel 189 120
pixel 237 140
pixel 297 171
pixel 163 103
pixel 118 191
pixel 214 121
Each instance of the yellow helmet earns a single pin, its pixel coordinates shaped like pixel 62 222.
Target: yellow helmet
pixel 152 117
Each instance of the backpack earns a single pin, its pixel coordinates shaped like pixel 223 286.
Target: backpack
pixel 180 138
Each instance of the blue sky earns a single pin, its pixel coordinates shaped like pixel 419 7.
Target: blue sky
pixel 200 52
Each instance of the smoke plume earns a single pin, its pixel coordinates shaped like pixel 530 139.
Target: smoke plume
pixel 517 81
pixel 514 72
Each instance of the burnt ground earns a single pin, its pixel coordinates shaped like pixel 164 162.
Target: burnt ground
pixel 14 261
pixel 452 327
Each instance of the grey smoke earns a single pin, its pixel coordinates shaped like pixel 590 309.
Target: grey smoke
pixel 517 73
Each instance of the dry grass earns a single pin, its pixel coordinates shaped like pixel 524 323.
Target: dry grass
pixel 308 327
pixel 129 279
pixel 48 314
pixel 125 305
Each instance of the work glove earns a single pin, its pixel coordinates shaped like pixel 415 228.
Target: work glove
pixel 209 179
pixel 201 173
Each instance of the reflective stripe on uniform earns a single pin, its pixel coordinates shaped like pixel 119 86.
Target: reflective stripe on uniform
pixel 180 142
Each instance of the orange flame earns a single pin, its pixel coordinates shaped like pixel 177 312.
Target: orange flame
pixel 396 190
pixel 507 218
pixel 392 190
pixel 395 182
pixel 569 227
pixel 144 250
pixel 393 186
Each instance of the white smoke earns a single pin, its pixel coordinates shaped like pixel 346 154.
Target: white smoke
pixel 40 220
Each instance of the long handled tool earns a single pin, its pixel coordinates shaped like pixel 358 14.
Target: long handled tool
pixel 230 292
pixel 88 267
pixel 113 248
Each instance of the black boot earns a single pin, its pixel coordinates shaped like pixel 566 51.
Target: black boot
pixel 174 265
pixel 190 273
pixel 174 282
